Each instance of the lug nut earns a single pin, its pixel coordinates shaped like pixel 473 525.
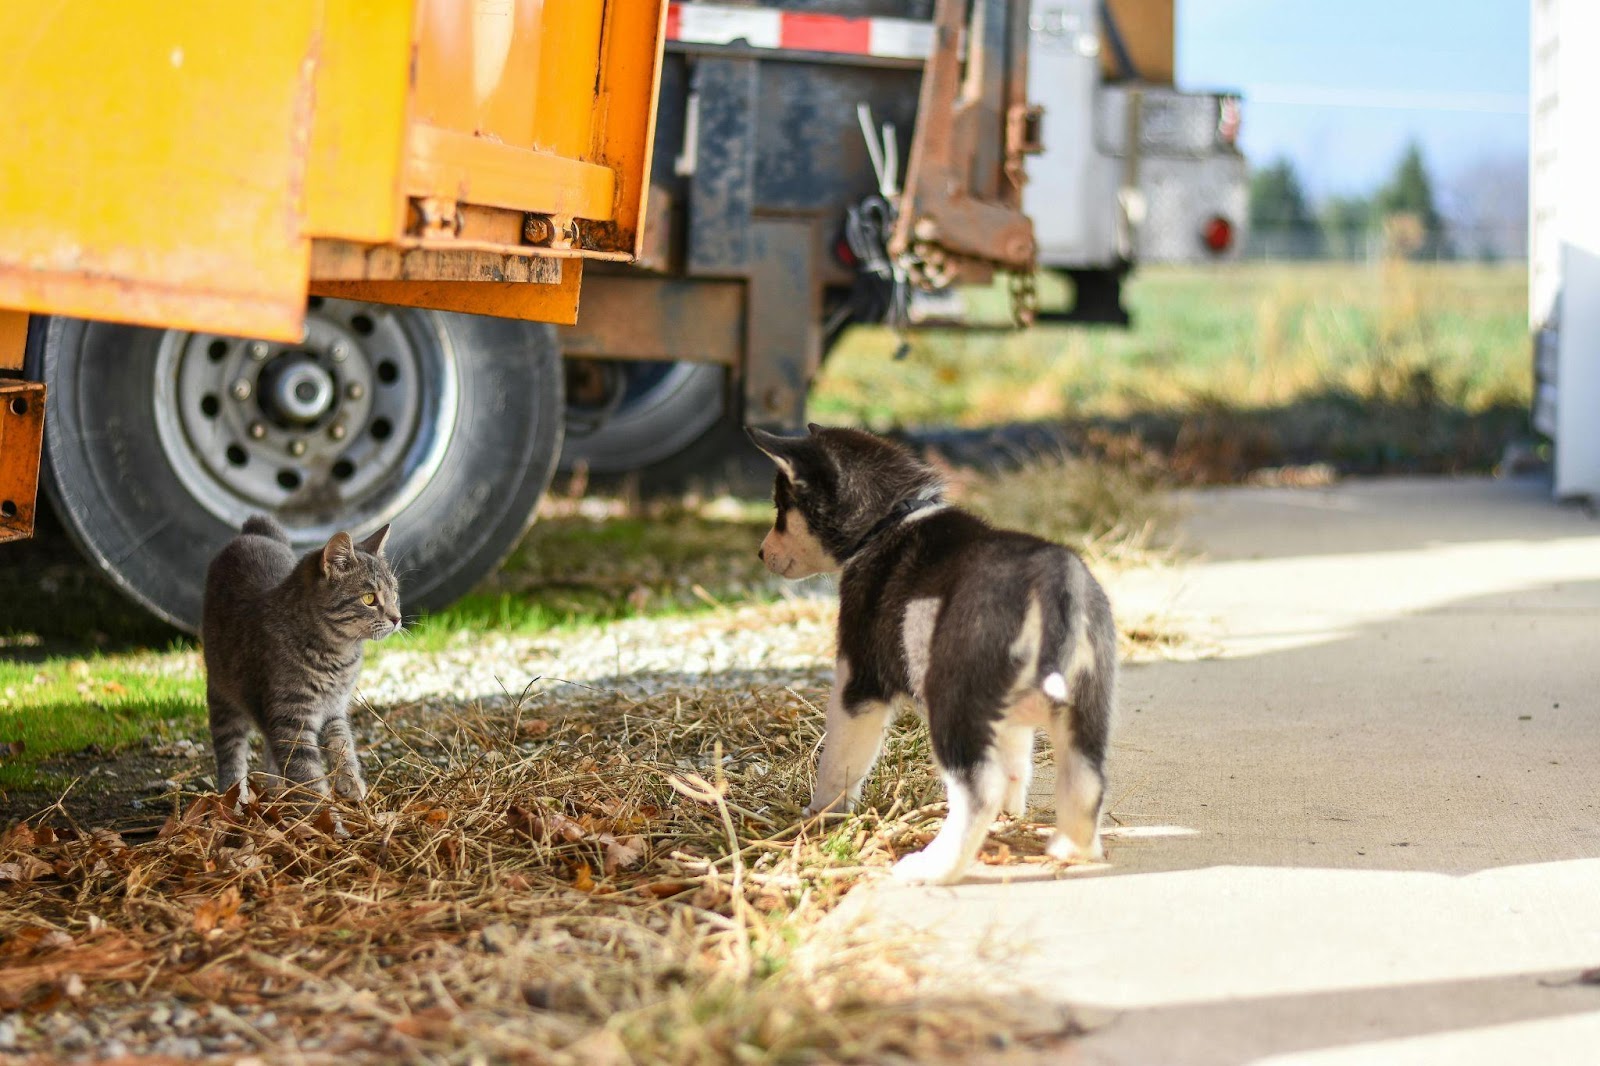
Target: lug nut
pixel 258 350
pixel 241 389
pixel 336 431
pixel 338 351
pixel 257 430
pixel 354 390
pixel 297 447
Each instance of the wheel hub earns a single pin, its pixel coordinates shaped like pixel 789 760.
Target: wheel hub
pixel 296 390
pixel 342 429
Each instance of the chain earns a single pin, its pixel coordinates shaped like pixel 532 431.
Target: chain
pixel 1024 294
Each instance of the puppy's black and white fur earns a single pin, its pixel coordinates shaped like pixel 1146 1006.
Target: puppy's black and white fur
pixel 993 634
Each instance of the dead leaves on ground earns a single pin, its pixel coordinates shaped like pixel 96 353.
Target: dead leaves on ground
pixel 554 828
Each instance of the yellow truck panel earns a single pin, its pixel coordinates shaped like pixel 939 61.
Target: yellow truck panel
pixel 180 165
pixel 154 161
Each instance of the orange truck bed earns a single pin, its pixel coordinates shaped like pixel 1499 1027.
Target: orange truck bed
pixel 208 165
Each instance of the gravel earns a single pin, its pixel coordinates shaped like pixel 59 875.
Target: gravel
pixel 640 657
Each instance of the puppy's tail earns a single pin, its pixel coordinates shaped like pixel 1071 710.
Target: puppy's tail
pixel 1067 649
pixel 266 526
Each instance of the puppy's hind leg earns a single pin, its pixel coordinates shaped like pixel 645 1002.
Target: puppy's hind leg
pixel 1080 789
pixel 1079 732
pixel 975 798
pixel 1014 746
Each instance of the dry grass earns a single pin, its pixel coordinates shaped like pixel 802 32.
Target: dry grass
pixel 1399 367
pixel 1247 336
pixel 565 876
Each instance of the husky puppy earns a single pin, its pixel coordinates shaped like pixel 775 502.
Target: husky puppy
pixel 994 634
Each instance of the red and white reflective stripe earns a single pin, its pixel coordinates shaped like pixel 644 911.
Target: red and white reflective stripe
pixel 765 27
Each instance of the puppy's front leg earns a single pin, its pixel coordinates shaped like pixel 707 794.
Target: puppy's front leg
pixel 849 748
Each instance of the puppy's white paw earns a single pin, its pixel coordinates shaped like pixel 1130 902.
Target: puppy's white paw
pixel 1063 849
pixel 1016 804
pixel 926 867
pixel 819 805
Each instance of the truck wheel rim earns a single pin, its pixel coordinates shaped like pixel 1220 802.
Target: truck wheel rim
pixel 340 431
pixel 624 416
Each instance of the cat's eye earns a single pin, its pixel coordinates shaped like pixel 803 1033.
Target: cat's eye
pixel 370 599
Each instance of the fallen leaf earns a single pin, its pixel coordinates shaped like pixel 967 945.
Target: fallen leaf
pixel 664 889
pixel 19 836
pixel 623 853
pixel 533 727
pixel 26 868
pixel 545 826
pixel 220 912
pixel 426 1024
pixel 998 857
pixel 23 941
pixel 582 879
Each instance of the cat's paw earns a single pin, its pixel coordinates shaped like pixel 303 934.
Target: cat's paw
pixel 1062 848
pixel 927 867
pixel 350 788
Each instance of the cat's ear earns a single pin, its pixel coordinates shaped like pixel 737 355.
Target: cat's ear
pixel 373 545
pixel 337 554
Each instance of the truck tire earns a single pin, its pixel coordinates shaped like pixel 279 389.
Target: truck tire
pixel 159 443
pixel 625 416
pixel 668 427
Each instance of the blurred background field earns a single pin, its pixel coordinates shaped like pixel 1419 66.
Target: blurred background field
pixel 1370 367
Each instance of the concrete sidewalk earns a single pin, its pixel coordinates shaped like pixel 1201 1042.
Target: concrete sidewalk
pixel 1367 829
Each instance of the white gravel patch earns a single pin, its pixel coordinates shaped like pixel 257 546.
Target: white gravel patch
pixel 641 657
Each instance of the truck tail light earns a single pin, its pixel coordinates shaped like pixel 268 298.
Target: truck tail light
pixel 1217 235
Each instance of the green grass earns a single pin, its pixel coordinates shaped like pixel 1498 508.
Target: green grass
pixel 1245 337
pixel 64 704
pixel 79 666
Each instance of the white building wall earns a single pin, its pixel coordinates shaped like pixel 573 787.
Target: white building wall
pixel 1564 232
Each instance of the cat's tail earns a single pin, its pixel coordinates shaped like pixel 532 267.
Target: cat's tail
pixel 266 526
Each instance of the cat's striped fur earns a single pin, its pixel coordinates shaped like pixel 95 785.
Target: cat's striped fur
pixel 282 640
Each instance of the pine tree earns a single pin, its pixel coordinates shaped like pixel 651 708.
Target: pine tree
pixel 1281 222
pixel 1408 208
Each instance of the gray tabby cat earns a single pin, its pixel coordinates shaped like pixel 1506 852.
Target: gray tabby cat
pixel 282 641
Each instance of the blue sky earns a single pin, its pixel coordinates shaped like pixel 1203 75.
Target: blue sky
pixel 1340 86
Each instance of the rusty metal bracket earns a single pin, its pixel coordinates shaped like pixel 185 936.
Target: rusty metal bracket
pixel 21 434
pixel 963 184
pixel 1024 123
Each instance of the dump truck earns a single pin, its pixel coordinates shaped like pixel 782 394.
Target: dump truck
pixel 352 264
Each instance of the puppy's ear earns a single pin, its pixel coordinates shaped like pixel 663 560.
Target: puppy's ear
pixel 337 554
pixel 778 449
pixel 813 428
pixel 373 545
